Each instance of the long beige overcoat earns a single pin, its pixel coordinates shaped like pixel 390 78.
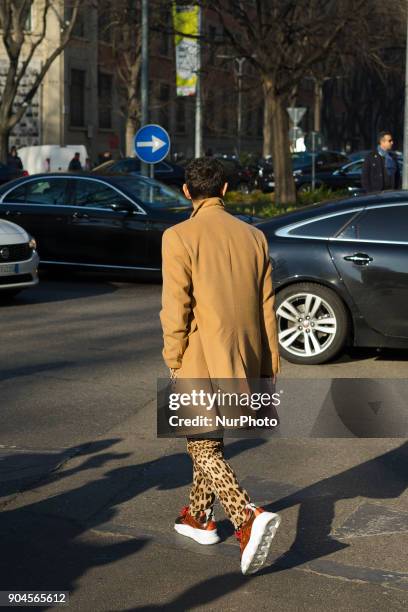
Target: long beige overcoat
pixel 217 312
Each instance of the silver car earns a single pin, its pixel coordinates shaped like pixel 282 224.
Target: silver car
pixel 18 259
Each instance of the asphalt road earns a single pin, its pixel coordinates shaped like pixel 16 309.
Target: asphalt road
pixel 88 494
pixel 80 355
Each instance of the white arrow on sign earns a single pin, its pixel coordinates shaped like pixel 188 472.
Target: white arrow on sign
pixel 155 143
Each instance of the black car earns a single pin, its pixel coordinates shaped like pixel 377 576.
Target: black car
pixel 9 173
pixel 106 222
pixel 326 163
pixel 347 177
pixel 340 271
pixel 165 171
pixel 239 178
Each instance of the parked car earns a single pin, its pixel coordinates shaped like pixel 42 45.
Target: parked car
pixel 326 163
pixel 347 177
pixel 112 222
pixel 165 171
pixel 239 178
pixel 18 259
pixel 8 174
pixel 340 272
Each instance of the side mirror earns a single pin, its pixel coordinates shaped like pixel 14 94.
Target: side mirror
pixel 121 206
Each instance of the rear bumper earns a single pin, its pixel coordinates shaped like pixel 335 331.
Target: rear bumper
pixel 25 274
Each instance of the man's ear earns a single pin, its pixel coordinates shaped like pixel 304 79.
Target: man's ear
pixel 224 189
pixel 186 192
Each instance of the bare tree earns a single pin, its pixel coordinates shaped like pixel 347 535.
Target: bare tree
pixel 21 47
pixel 284 39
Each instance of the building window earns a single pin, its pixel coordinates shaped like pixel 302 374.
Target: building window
pixel 164 98
pixel 105 100
pixel 105 18
pixel 181 115
pixel 212 34
pixel 77 98
pixel 165 37
pixel 79 26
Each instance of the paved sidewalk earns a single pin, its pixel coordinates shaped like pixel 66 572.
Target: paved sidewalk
pixel 99 524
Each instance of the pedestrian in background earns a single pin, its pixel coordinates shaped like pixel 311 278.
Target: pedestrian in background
pixel 14 161
pixel 75 163
pixel 211 332
pixel 381 170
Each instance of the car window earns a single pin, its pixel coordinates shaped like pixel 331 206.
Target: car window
pixel 322 228
pixel 96 195
pixel 128 165
pixel 162 167
pixel 387 223
pixel 43 191
pixel 151 192
pixel 354 168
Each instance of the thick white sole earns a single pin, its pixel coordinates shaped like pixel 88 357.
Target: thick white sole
pixel 263 530
pixel 202 536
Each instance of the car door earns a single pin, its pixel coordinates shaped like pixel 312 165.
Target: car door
pixel 349 176
pixel 106 228
pixel 40 207
pixel 371 255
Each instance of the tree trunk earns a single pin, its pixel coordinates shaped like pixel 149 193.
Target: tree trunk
pixel 276 143
pixel 131 129
pixel 4 140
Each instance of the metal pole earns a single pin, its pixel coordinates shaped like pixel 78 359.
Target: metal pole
pixel 144 74
pixel 313 160
pixel 240 61
pixel 405 160
pixel 198 105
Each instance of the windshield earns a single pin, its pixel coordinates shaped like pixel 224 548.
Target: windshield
pixel 301 159
pixel 152 193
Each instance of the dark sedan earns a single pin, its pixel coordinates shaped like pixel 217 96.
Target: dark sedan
pixel 326 163
pixel 84 220
pixel 341 276
pixel 165 171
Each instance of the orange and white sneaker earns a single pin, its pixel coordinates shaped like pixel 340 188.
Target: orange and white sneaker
pixel 203 530
pixel 255 536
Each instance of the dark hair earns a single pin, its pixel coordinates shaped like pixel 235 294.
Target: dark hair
pixel 205 177
pixel 381 135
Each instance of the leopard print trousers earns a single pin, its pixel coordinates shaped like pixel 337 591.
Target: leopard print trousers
pixel 214 477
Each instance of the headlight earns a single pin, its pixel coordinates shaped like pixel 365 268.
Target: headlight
pixel 297 172
pixel 32 244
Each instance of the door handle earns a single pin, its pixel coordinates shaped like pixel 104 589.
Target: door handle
pixel 78 215
pixel 12 213
pixel 359 258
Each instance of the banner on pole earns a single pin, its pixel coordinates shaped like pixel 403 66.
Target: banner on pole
pixel 185 22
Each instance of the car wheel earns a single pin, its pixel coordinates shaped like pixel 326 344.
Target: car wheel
pixel 312 323
pixel 307 187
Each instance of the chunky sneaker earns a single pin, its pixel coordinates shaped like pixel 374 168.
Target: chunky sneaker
pixel 203 530
pixel 255 536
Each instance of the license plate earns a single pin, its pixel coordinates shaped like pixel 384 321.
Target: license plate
pixel 7 269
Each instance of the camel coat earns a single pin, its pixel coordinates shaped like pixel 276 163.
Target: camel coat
pixel 217 312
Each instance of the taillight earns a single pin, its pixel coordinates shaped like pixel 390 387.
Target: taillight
pixel 25 173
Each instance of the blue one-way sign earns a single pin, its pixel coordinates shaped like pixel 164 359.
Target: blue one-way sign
pixel 152 143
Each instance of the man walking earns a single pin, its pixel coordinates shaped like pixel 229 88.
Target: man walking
pixel 218 322
pixel 380 169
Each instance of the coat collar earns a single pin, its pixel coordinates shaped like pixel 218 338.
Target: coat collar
pixel 206 203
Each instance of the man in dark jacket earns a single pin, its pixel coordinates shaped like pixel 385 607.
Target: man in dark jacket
pixel 14 161
pixel 75 164
pixel 380 169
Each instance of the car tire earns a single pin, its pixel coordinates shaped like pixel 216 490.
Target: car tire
pixel 328 324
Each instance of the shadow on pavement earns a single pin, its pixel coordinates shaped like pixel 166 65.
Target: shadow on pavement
pixel 43 550
pixel 384 477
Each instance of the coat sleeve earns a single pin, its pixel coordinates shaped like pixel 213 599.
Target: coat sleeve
pixel 176 299
pixel 365 175
pixel 270 346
